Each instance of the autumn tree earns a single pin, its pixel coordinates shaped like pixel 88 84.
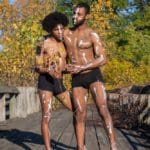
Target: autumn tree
pixel 21 29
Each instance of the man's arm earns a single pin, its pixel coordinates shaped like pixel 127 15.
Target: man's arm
pixel 62 63
pixel 100 57
pixel 39 67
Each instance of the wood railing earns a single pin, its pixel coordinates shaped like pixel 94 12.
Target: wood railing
pixel 22 101
pixel 18 102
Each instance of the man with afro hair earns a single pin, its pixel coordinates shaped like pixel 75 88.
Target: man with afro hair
pixel 50 63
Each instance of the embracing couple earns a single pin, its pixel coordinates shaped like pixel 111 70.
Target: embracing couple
pixel 82 49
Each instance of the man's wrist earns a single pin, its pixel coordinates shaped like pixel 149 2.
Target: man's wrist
pixel 85 67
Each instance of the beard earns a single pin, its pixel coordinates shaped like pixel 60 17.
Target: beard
pixel 78 23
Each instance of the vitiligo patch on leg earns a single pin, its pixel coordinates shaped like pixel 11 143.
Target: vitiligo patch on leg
pixel 79 105
pixel 109 128
pixel 95 91
pixel 85 98
pixel 104 92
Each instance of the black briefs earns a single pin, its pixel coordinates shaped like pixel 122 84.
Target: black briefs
pixel 85 79
pixel 48 83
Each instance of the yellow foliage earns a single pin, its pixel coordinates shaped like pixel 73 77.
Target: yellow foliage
pixel 121 73
pixel 21 26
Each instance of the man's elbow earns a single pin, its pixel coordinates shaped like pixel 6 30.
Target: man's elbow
pixel 103 60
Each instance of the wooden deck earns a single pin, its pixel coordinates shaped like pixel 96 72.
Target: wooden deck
pixel 24 134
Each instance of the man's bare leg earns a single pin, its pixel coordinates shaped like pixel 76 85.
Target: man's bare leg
pixel 99 95
pixel 80 102
pixel 46 99
pixel 65 99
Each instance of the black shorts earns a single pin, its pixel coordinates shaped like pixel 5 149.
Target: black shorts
pixel 48 83
pixel 85 79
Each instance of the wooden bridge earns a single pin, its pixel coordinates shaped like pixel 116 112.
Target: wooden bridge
pixel 24 134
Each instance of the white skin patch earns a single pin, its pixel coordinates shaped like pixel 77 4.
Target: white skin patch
pixel 85 98
pixel 70 32
pixel 60 32
pixel 80 43
pixel 109 128
pixel 96 36
pixel 97 49
pixel 73 59
pixel 60 60
pixel 95 91
pixel 69 39
pixel 101 58
pixel 43 96
pixel 104 92
pixel 48 114
pixel 84 58
pixel 75 16
pixel 49 105
pixel 79 104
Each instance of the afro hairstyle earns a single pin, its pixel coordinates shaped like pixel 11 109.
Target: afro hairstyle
pixel 52 20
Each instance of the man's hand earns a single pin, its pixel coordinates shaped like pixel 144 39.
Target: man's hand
pixel 56 73
pixel 74 69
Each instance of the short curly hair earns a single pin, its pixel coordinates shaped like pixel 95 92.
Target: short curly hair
pixel 84 5
pixel 53 19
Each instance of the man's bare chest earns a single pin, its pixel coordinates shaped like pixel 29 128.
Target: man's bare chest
pixel 79 41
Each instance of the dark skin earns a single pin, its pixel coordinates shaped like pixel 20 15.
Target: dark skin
pixel 86 52
pixel 53 46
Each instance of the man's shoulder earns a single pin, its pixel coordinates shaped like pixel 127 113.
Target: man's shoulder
pixel 69 31
pixel 89 30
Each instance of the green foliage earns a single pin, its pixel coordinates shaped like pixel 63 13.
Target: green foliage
pixel 65 6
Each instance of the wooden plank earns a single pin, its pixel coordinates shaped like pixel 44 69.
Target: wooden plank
pixel 91 139
pixel 134 139
pixel 58 126
pixel 67 136
pixel 103 140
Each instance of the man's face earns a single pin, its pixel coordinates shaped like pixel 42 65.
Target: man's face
pixel 79 16
pixel 58 32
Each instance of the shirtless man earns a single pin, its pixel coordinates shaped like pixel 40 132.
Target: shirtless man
pixel 50 63
pixel 86 54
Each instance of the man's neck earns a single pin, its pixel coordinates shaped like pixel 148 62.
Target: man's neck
pixel 81 27
pixel 55 40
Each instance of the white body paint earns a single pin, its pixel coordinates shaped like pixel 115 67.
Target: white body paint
pixel 96 36
pixel 69 39
pixel 101 58
pixel 85 98
pixel 104 92
pixel 80 43
pixel 75 16
pixel 95 91
pixel 79 104
pixel 84 58
pixel 60 32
